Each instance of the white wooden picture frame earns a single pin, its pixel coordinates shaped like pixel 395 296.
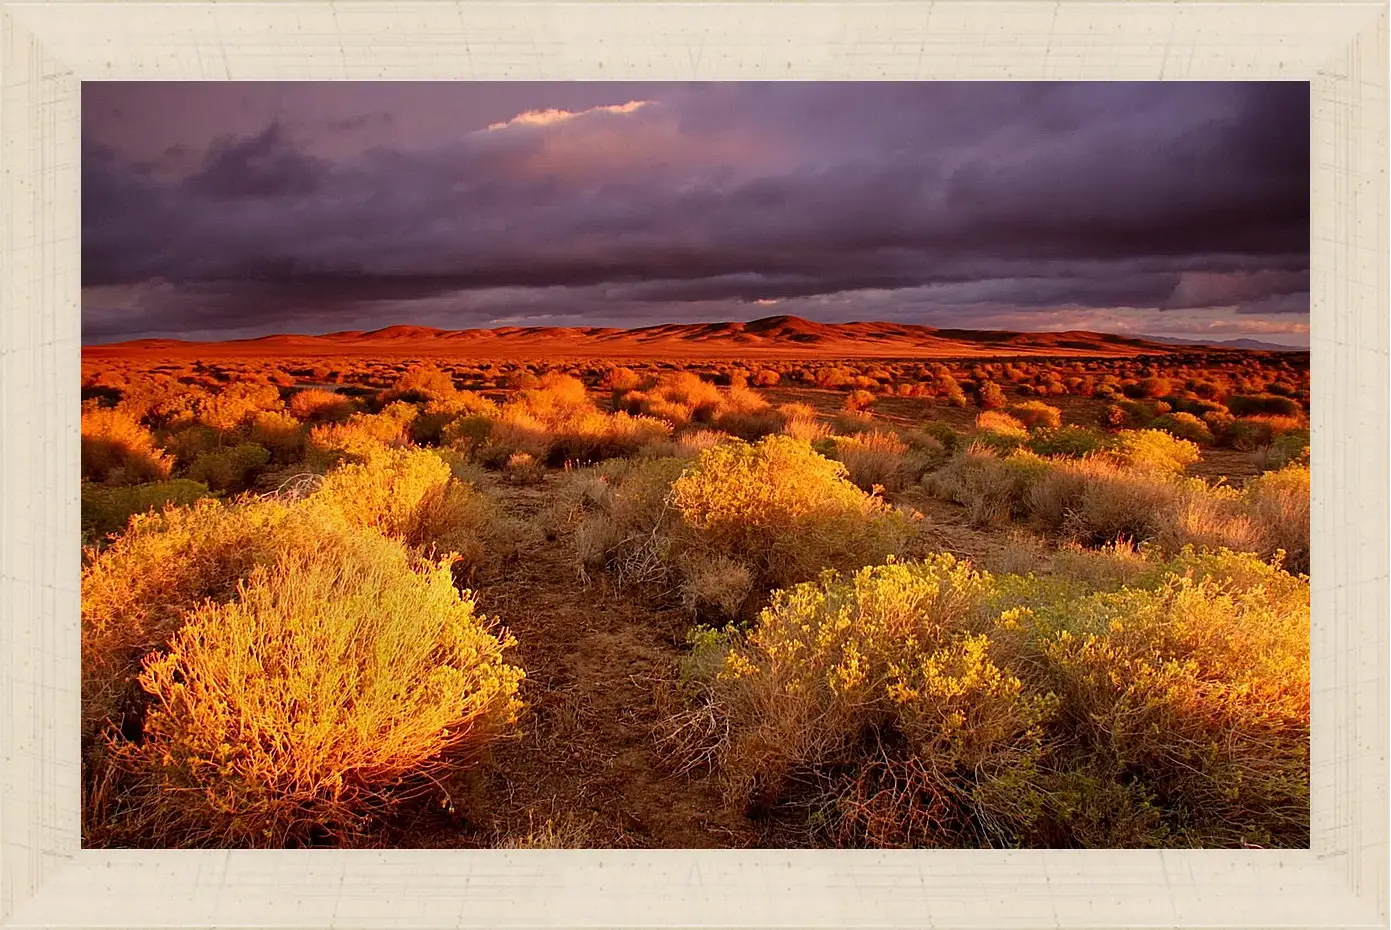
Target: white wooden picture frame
pixel 47 49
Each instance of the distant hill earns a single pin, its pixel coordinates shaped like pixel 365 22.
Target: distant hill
pixel 774 336
pixel 1251 344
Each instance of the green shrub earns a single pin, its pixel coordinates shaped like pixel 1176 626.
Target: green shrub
pixel 1069 441
pixel 943 432
pixel 1184 426
pixel 107 510
pixel 1291 448
pixel 230 469
pixel 1245 404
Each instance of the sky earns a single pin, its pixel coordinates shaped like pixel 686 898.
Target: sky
pixel 229 210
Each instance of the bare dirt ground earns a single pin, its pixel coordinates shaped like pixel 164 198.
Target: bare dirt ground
pixel 600 665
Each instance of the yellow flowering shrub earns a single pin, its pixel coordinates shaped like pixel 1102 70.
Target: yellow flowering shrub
pixel 928 703
pixel 412 495
pixel 1153 449
pixel 289 713
pixel 785 509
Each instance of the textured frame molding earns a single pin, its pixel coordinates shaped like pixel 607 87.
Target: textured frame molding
pixel 48 48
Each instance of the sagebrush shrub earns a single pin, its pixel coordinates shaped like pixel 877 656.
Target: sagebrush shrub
pixel 231 407
pixel 784 508
pixel 281 434
pixel 136 590
pixel 1000 431
pixel 1184 426
pixel 291 711
pixel 108 509
pixel 1279 503
pixel 876 459
pixel 363 435
pixel 117 449
pixel 1290 448
pixel 1035 414
pixel 927 703
pixel 1244 404
pixel 1071 441
pixel 229 469
pixel 412 495
pixel 1152 448
pixel 318 405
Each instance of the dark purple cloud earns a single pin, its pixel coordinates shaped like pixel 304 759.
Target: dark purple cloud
pixel 322 207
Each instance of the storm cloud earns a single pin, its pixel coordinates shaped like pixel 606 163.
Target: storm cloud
pixel 1162 208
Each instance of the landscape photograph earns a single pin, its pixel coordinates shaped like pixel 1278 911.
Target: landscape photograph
pixel 587 465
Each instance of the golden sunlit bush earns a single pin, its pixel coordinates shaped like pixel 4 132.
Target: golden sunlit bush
pixel 299 708
pixel 555 422
pixel 859 400
pixel 1035 414
pixel 785 509
pixel 412 495
pixel 1152 449
pixel 989 396
pixel 419 384
pixel 281 434
pixel 237 404
pixel 801 421
pixel 929 704
pixel 230 469
pixel 1199 683
pixel 136 590
pixel 108 509
pixel 116 449
pixel 744 413
pixel 776 508
pixel 678 398
pixel 320 406
pixel 1000 431
pixel 684 398
pixel 363 435
pixel 1184 426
